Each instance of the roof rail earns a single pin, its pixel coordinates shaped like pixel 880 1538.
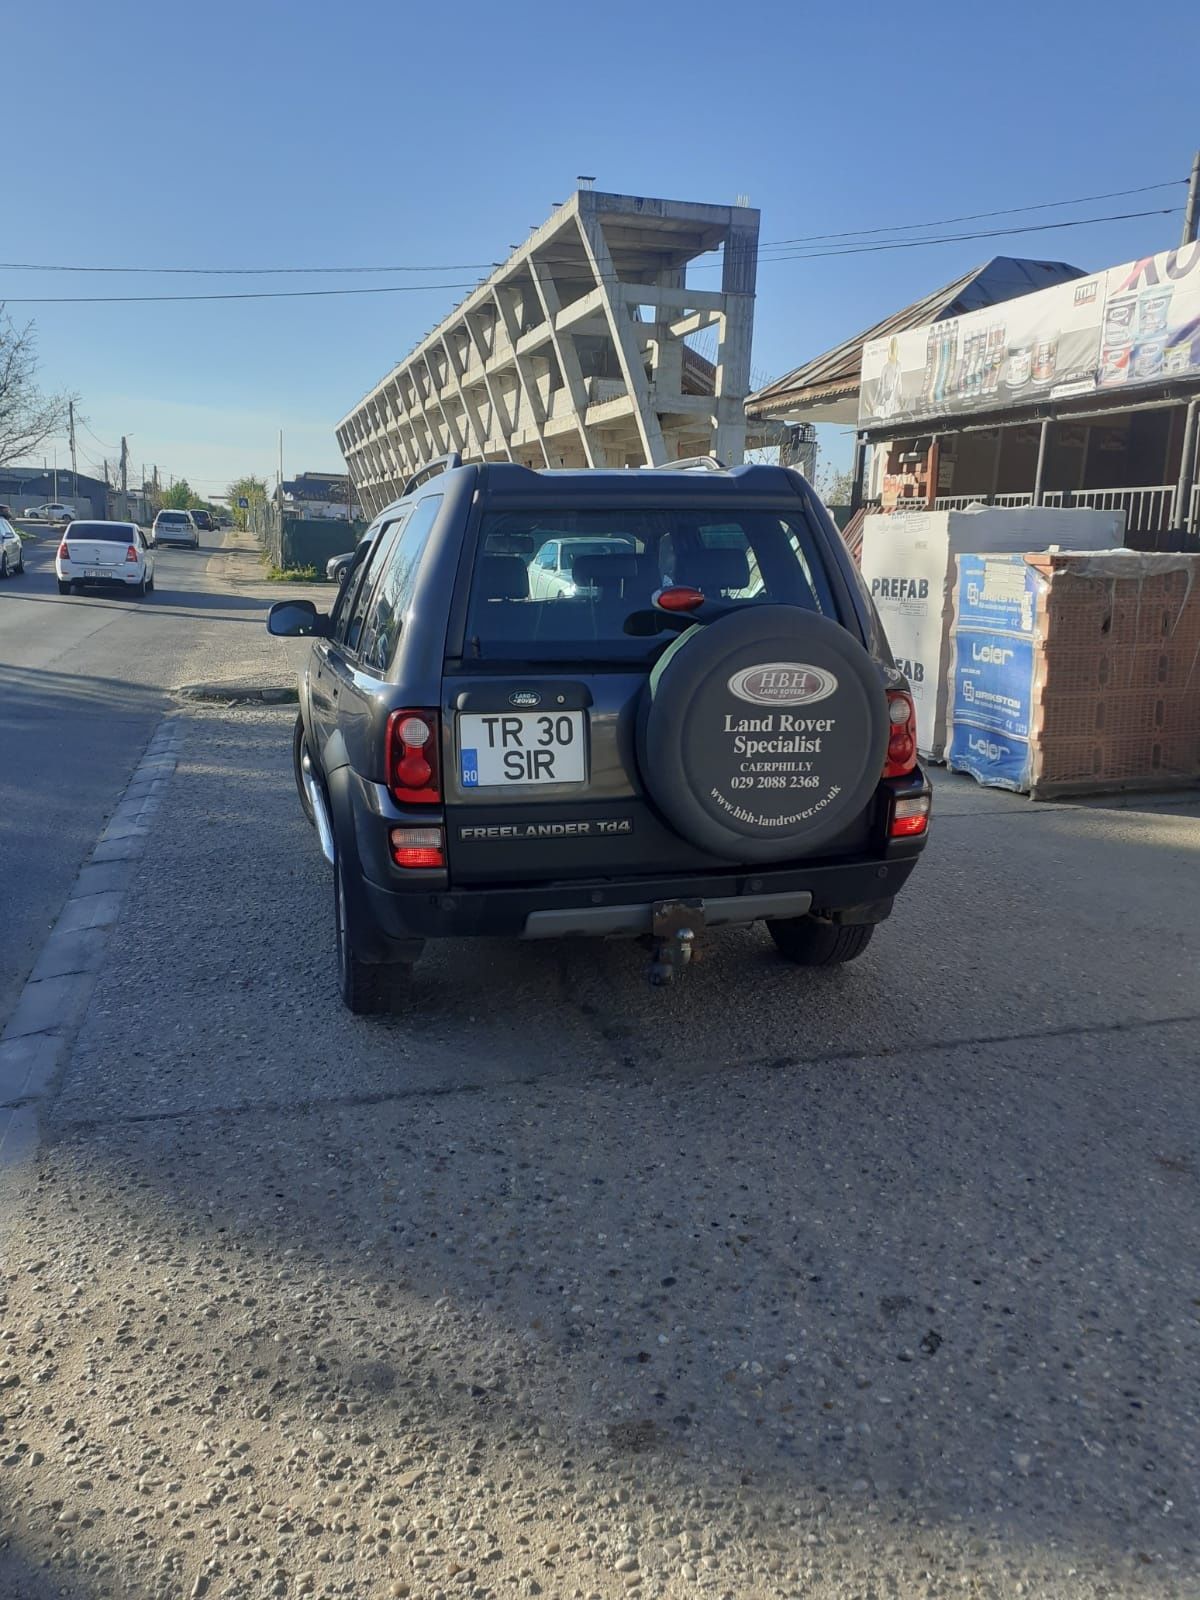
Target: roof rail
pixel 689 463
pixel 445 463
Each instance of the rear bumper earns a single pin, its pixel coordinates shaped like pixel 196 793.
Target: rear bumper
pixel 119 580
pixel 558 910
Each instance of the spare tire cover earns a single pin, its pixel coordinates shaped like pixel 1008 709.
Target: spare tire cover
pixel 764 733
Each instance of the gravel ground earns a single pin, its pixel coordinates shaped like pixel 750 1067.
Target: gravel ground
pixel 862 1284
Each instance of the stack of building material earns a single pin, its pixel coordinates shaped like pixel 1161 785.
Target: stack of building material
pixel 908 564
pixel 1076 673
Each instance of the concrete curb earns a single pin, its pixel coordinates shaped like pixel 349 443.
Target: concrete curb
pixel 231 693
pixel 35 1044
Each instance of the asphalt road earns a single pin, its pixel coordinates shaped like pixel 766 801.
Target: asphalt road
pixel 84 680
pixel 873 1282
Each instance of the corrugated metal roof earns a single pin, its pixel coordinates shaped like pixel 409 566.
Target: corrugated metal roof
pixel 836 373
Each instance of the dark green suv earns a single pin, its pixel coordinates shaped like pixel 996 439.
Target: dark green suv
pixel 549 704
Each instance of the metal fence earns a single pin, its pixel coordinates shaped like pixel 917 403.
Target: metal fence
pixel 1148 507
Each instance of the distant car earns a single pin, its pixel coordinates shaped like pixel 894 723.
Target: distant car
pixel 53 511
pixel 176 527
pixel 12 557
pixel 203 519
pixel 7 512
pixel 105 553
pixel 552 570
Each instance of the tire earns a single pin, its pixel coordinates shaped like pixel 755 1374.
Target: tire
pixel 299 750
pixel 150 585
pixel 20 566
pixel 810 942
pixel 341 572
pixel 762 735
pixel 143 588
pixel 63 588
pixel 368 989
pixel 3 563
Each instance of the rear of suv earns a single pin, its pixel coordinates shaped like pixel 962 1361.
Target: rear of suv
pixel 695 722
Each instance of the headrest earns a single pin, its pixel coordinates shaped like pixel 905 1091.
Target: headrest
pixel 712 570
pixel 603 569
pixel 503 578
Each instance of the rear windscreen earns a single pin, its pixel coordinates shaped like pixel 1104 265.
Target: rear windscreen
pixel 173 516
pixel 555 587
pixel 102 532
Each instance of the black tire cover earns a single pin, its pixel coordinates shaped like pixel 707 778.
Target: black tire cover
pixel 764 733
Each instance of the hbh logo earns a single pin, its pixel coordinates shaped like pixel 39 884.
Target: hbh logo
pixel 783 683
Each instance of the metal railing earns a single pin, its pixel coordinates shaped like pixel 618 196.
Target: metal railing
pixel 959 502
pixel 1147 508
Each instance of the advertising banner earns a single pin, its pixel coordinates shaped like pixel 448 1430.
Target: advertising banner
pixel 1134 324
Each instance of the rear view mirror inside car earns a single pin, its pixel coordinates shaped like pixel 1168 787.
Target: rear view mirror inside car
pixel 291 619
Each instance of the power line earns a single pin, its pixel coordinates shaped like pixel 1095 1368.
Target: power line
pixel 474 266
pixel 418 288
pixel 979 216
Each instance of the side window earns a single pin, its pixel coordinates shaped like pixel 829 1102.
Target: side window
pixel 393 594
pixel 355 595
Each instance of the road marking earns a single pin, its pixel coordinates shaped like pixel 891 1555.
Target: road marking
pixel 36 1043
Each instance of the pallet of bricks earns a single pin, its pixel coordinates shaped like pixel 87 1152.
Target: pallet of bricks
pixel 1076 673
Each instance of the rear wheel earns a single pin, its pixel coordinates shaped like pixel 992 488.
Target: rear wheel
pixel 367 988
pixel 63 587
pixel 3 563
pixel 809 942
pixel 143 587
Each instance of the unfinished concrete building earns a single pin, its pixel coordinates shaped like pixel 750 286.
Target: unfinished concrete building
pixel 578 351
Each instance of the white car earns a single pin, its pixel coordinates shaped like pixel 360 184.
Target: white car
pixel 12 556
pixel 55 511
pixel 176 527
pixel 108 553
pixel 552 570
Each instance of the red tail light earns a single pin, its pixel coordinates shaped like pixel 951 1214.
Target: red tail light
pixel 902 737
pixel 910 816
pixel 64 553
pixel 413 768
pixel 131 554
pixel 418 847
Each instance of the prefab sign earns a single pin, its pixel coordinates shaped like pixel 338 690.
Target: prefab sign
pixel 1130 325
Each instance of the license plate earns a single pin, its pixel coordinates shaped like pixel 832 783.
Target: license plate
pixel 504 749
pixel 97 572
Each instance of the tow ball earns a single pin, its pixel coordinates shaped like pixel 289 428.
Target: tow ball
pixel 675 928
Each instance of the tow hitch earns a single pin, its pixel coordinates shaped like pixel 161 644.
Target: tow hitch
pixel 675 928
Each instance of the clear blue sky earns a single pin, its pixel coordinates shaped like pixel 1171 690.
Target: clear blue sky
pixel 306 134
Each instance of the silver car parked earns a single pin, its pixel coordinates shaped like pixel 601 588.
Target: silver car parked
pixel 12 554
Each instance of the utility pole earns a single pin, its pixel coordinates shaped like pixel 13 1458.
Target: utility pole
pixel 1191 217
pixel 124 479
pixel 74 459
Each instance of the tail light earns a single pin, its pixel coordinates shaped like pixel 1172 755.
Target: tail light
pixel 64 553
pixel 902 735
pixel 413 775
pixel 910 816
pixel 417 847
pixel 131 554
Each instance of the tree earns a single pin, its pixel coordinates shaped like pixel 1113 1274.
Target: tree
pixel 179 497
pixel 252 489
pixel 27 416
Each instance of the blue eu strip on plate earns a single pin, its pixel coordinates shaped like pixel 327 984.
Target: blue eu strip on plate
pixel 470 769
